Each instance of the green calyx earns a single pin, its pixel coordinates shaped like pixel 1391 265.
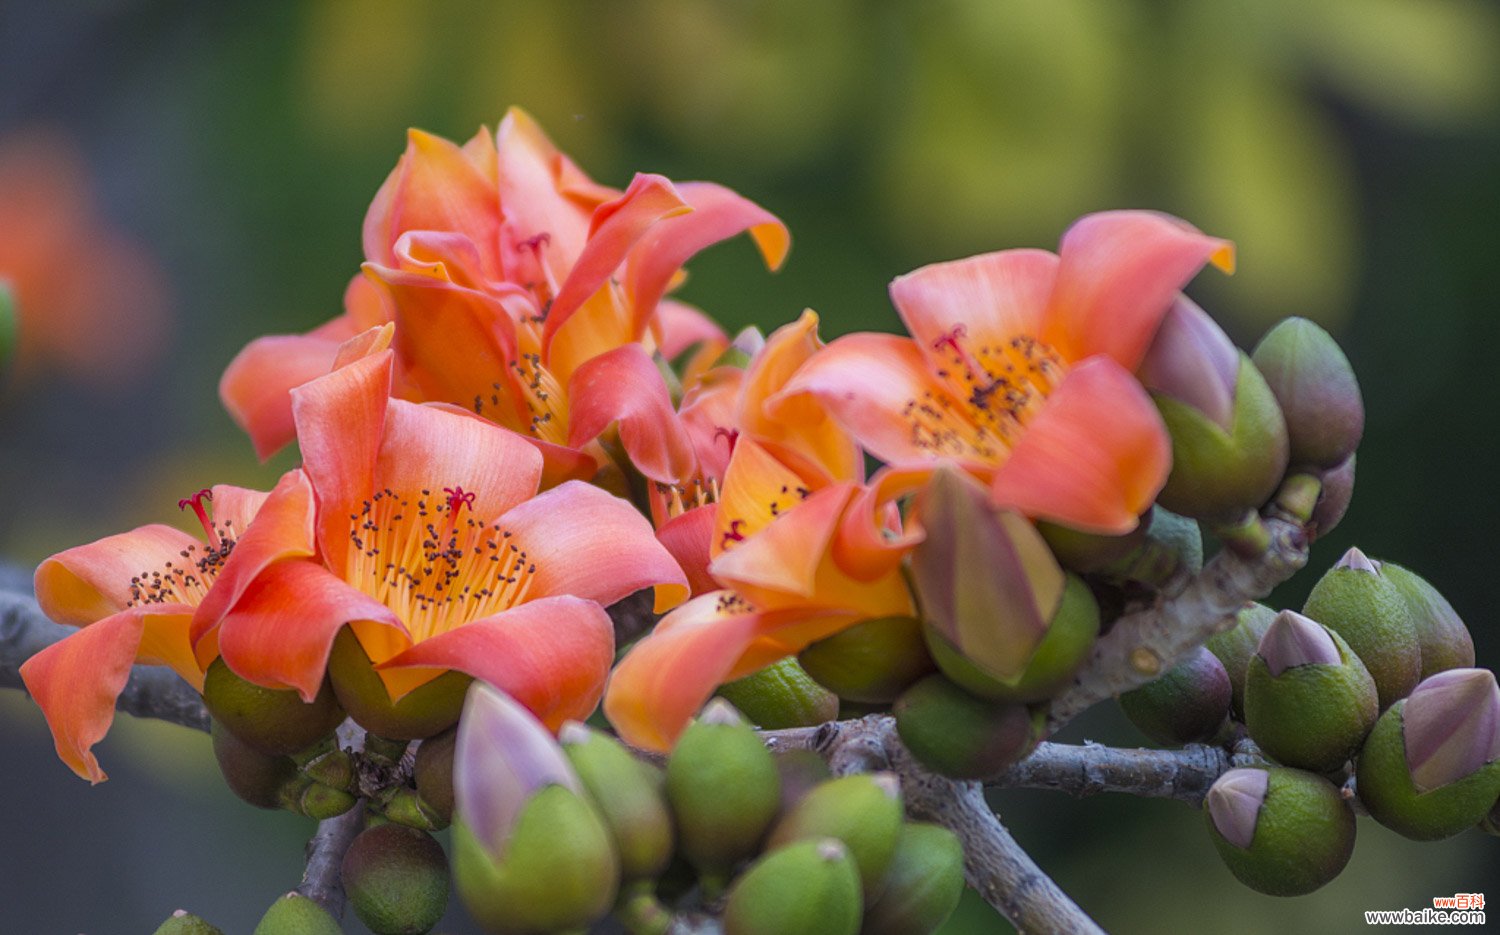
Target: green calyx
pixel 183 922
pixel 1236 645
pixel 923 883
pixel 1187 704
pixel 630 797
pixel 1364 608
pixel 724 790
pixel 1385 786
pixel 781 695
pixel 1443 639
pixel 1303 835
pixel 257 778
pixel 862 811
pixel 872 661
pixel 957 734
pixel 805 888
pixel 274 721
pixel 295 914
pixel 427 710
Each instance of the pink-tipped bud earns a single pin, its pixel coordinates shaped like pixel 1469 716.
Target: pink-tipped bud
pixel 1451 726
pixel 1234 804
pixel 1294 640
pixel 1333 499
pixel 503 757
pixel 1193 361
pixel 1357 560
pixel 1316 389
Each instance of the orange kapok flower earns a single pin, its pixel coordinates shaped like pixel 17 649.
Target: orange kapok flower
pixel 430 542
pixel 133 595
pixel 522 291
pixel 1020 367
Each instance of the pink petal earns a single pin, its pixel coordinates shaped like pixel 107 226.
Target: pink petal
pixel 256 386
pixel 625 386
pixel 687 537
pixel 91 582
pixel 987 299
pixel 427 448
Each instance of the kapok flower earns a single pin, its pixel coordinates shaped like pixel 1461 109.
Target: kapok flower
pixel 430 542
pixel 522 291
pixel 779 550
pixel 1020 366
pixel 133 595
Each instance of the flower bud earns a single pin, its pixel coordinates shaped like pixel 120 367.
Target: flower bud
pixel 255 777
pixel 1187 704
pixel 922 885
pixel 1333 498
pixel 1444 640
pixel 183 922
pixel 806 888
pixel 1309 702
pixel 273 721
pixel 724 789
pixel 429 709
pixel 863 811
pixel 433 773
pixel 1282 832
pixel 1236 645
pixel 952 732
pixel 1317 391
pixel 742 349
pixel 320 802
pixel 1172 545
pixel 1192 361
pixel 396 879
pixel 871 662
pixel 295 914
pixel 1086 552
pixel 1358 602
pixel 781 695
pixel 1431 766
pixel 530 852
pixel 630 797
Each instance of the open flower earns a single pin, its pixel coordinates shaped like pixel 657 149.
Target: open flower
pixel 134 595
pixel 1020 366
pixel 522 291
pixel 430 543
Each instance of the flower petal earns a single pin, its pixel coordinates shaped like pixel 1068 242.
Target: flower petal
pixel 591 544
pixel 1120 271
pixel 76 681
pixel 90 582
pixel 531 198
pixel 552 655
pixel 436 187
pixel 624 386
pixel 428 448
pixel 280 631
pixel 1093 458
pixel 683 326
pixel 871 541
pixel 256 386
pixel 988 298
pixel 796 428
pixel 687 536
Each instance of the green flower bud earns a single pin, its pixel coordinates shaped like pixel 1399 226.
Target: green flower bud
pixel 1431 766
pixel 183 922
pixel 1236 645
pixel 1309 702
pixel 863 811
pixel 630 798
pixel 781 695
pixel 1282 832
pixel 405 806
pixel 807 888
pixel 320 802
pixel 1316 389
pixel 295 914
pixel 1445 641
pixel 531 854
pixel 724 789
pixel 952 732
pixel 433 773
pixel 1333 498
pixel 801 772
pixel 427 710
pixel 255 777
pixel 871 662
pixel 396 879
pixel 334 768
pixel 1187 704
pixel 1358 602
pixel 271 720
pixel 922 885
pixel 1172 545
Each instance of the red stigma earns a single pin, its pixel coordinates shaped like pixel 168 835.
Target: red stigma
pixel 196 501
pixel 458 498
pixel 535 243
pixel 733 534
pixel 950 338
pixel 732 434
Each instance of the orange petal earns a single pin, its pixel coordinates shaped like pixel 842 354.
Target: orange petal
pixel 531 197
pixel 624 386
pixel 434 187
pixel 783 557
pixel 340 419
pixel 880 387
pixel 552 655
pixel 256 386
pixel 614 229
pixel 77 680
pixel 717 214
pixel 988 298
pixel 280 631
pixel 757 488
pixel 871 540
pixel 1093 458
pixel 91 582
pixel 591 544
pixel 1119 273
pixel 798 427
pixel 683 326
pixel 687 536
pixel 283 528
pixel 427 448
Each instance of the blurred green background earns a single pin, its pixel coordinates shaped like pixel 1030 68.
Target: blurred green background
pixel 1350 147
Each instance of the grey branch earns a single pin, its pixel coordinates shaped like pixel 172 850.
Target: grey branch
pixel 323 881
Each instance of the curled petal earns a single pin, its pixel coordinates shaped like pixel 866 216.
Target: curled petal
pixel 797 427
pixel 624 386
pixel 988 298
pixel 871 540
pixel 436 187
pixel 531 197
pixel 687 537
pixel 90 582
pixel 683 326
pixel 1120 271
pixel 551 654
pixel 256 386
pixel 1093 458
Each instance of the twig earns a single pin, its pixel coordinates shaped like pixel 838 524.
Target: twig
pixel 1092 769
pixel 322 881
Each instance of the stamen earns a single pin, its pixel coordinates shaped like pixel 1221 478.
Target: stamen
pixel 196 502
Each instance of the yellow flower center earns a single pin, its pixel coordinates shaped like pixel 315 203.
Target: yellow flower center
pixel 188 580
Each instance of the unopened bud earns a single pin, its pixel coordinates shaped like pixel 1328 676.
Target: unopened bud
pixel 1358 602
pixel 1172 547
pixel 1444 640
pixel 1283 832
pixel 922 885
pixel 871 662
pixel 320 802
pixel 433 773
pixel 957 734
pixel 426 710
pixel 1187 704
pixel 806 888
pixel 1333 498
pixel 781 695
pixel 1317 391
pixel 723 788
pixel 272 720
pixel 629 795
pixel 1192 361
pixel 183 922
pixel 1236 645
pixel 396 879
pixel 863 811
pixel 295 914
